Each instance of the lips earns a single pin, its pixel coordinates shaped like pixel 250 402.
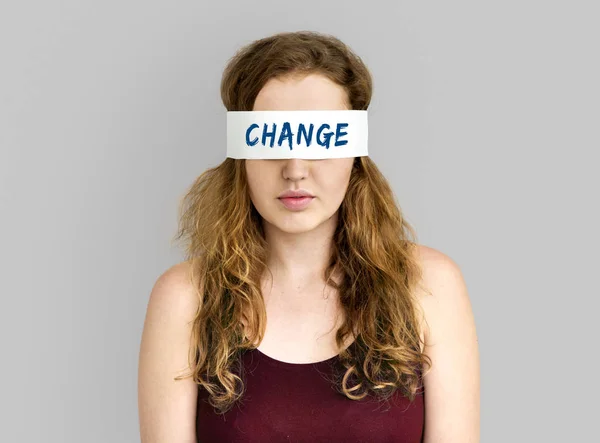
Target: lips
pixel 296 203
pixel 295 193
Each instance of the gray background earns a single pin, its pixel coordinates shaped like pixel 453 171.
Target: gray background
pixel 485 119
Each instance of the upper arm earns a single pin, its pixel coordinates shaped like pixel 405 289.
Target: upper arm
pixel 167 408
pixel 452 386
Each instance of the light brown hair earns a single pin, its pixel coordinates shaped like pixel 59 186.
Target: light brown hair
pixel 373 245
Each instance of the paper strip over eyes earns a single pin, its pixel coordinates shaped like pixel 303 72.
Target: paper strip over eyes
pixel 297 134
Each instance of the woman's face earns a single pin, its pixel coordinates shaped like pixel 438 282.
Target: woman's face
pixel 325 179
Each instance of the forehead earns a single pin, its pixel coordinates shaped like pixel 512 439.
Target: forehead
pixel 298 93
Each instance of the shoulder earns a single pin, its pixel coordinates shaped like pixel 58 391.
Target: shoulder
pixel 176 280
pixel 435 262
pixel 172 307
pixel 167 407
pixel 443 288
pixel 174 295
pixel 452 383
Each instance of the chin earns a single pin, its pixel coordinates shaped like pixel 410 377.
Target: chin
pixel 299 230
pixel 297 226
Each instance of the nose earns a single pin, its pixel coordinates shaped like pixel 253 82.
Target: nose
pixel 295 168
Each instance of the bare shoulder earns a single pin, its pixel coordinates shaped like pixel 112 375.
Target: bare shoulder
pixel 435 263
pixel 167 407
pixel 443 283
pixel 452 383
pixel 173 301
pixel 178 274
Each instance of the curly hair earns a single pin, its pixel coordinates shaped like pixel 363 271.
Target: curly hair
pixel 373 245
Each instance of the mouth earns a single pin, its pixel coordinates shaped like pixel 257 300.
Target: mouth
pixel 296 202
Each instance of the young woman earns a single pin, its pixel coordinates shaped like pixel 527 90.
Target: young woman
pixel 320 323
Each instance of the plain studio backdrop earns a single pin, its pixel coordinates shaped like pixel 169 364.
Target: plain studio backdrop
pixel 484 118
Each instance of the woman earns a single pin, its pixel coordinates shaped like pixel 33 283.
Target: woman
pixel 327 323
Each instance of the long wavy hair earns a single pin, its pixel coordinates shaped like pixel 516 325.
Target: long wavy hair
pixel 373 247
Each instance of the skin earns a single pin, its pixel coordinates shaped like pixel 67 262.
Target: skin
pixel 293 235
pixel 303 313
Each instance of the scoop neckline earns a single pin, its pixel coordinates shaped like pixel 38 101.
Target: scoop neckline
pixel 291 364
pixel 282 363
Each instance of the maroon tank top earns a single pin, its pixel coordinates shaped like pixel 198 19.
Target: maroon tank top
pixel 296 402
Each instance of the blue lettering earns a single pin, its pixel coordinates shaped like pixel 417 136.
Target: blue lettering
pixel 339 134
pixel 323 135
pixel 307 137
pixel 286 132
pixel 255 141
pixel 269 134
pixel 328 135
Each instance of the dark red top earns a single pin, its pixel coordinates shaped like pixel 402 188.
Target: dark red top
pixel 296 402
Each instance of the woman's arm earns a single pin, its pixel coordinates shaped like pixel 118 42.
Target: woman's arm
pixel 167 408
pixel 452 387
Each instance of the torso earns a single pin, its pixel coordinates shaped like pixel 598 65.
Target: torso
pixel 302 320
pixel 301 324
pixel 288 398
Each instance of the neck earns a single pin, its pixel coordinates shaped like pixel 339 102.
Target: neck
pixel 296 257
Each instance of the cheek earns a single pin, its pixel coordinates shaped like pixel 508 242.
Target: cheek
pixel 255 177
pixel 336 185
pixel 257 189
pixel 253 186
pixel 261 187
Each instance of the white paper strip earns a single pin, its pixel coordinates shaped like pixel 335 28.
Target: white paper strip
pixel 297 134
